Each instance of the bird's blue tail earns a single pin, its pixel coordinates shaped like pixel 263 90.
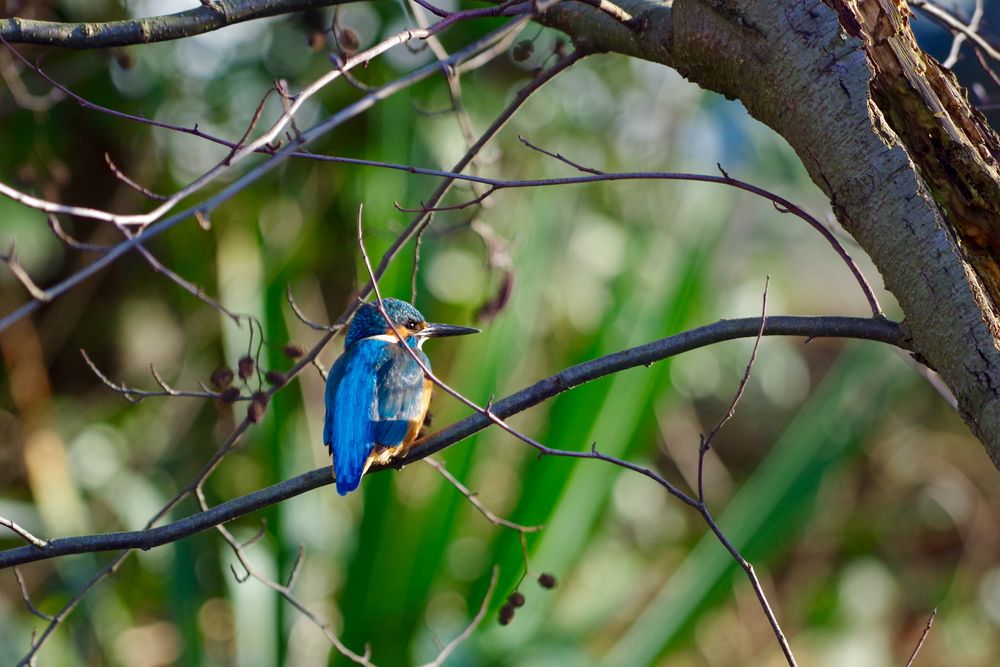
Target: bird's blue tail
pixel 348 477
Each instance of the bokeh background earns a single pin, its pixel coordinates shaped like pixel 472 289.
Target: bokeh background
pixel 844 477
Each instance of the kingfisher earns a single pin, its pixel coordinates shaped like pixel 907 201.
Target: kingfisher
pixel 376 394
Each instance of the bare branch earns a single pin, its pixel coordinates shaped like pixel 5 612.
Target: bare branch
pixel 136 395
pixel 302 317
pixel 814 327
pixel 350 111
pixel 14 264
pixel 953 24
pixel 476 502
pixel 24 534
pixel 27 598
pixel 186 285
pixel 706 440
pixel 285 591
pixel 923 638
pixel 651 474
pixel 69 240
pixel 956 44
pixel 562 158
pixel 476 620
pixel 121 176
pixel 97 35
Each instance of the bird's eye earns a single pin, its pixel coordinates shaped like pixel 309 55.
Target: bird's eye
pixel 413 324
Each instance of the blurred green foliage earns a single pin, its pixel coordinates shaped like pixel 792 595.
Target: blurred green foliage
pixel 849 483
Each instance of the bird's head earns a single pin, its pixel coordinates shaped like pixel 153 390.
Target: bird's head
pixel 407 320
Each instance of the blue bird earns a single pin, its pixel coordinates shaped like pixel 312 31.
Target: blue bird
pixel 376 394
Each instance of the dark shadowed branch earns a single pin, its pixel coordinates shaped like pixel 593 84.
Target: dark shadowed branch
pixel 883 331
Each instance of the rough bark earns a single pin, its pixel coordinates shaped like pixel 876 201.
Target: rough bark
pixel 909 166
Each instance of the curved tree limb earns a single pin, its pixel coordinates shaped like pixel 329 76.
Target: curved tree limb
pixel 97 35
pixel 879 330
pixel 910 168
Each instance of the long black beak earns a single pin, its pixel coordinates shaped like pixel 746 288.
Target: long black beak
pixel 442 330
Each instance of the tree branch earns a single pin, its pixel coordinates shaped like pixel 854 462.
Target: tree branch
pixel 879 330
pixel 909 168
pixel 99 35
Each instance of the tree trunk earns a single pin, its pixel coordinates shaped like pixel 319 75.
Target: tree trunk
pixel 909 166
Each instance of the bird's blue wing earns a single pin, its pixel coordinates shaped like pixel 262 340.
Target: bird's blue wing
pixel 349 429
pixel 400 396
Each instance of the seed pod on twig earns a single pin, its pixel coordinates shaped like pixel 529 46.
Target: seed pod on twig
pixel 276 378
pixel 258 404
pixel 231 395
pixel 506 614
pixel 246 367
pixel 222 377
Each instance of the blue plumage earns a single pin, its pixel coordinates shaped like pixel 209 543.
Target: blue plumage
pixel 376 394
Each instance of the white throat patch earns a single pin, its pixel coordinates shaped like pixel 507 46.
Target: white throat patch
pixel 391 338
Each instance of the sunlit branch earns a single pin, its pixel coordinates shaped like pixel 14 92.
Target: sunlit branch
pixel 959 39
pixel 22 533
pixel 953 24
pixel 287 117
pixel 256 173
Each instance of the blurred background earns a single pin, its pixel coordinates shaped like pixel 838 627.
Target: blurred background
pixel 845 477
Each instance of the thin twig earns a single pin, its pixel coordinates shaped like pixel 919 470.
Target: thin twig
pixel 953 24
pixel 559 156
pixel 14 264
pixel 923 637
pixel 185 284
pixel 24 534
pixel 882 331
pixel 476 502
pixel 69 240
pixel 302 317
pixel 27 598
pixel 706 440
pixel 137 395
pixel 284 590
pixel 594 453
pixel 316 131
pixel 121 176
pixel 473 624
pixel 956 43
